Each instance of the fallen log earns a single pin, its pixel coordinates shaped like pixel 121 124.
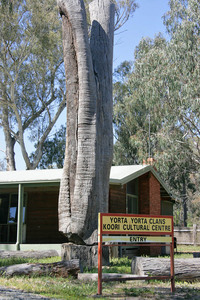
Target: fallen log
pixel 107 277
pixel 59 269
pixel 28 254
pixel 184 269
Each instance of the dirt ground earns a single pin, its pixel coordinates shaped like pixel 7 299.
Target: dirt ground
pixel 157 291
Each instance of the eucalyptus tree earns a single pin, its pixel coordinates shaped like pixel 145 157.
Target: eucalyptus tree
pixel 53 150
pixel 138 94
pixel 164 84
pixel 182 74
pixel 177 166
pixel 182 77
pixel 146 127
pixel 32 92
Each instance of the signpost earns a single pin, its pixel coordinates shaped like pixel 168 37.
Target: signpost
pixel 137 230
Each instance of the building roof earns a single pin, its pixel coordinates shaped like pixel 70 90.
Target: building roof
pixel 30 176
pixel 124 174
pixel 118 175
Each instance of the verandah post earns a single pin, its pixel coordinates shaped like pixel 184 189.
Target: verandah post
pixel 20 216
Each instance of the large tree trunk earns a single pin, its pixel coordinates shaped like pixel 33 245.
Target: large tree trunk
pixel 85 181
pixel 101 43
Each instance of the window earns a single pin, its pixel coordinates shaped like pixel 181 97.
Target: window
pixel 13 209
pixel 132 204
pixel 131 208
pixel 8 217
pixel 4 205
pixel 132 197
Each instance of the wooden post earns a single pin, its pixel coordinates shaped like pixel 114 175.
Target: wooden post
pixel 172 266
pixel 172 260
pixel 194 234
pixel 100 254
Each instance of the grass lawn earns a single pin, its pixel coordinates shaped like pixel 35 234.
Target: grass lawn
pixel 70 288
pixel 73 289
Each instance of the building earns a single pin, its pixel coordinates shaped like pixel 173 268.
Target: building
pixel 29 203
pixel 138 189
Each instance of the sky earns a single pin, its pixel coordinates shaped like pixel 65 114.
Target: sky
pixel 146 22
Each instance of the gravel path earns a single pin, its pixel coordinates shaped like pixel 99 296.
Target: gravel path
pixel 8 293
pixel 14 294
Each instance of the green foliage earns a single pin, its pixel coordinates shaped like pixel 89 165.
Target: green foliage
pixel 182 249
pixel 122 261
pixel 117 265
pixel 137 104
pixel 11 261
pixel 54 150
pixel 32 87
pixel 124 10
pixel 120 265
pixel 32 73
pixel 156 105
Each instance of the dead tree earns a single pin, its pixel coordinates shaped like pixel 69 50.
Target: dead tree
pixel 89 139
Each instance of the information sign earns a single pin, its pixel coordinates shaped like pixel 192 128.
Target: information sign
pixel 134 223
pixel 118 229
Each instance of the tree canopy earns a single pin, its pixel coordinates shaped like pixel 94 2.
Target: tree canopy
pixel 32 91
pixel 156 104
pixel 53 150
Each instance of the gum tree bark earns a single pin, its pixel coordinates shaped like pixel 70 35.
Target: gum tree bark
pixel 89 141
